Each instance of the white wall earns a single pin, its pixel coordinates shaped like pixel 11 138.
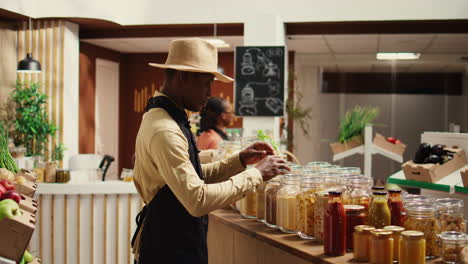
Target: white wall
pixel 404 116
pixel 208 11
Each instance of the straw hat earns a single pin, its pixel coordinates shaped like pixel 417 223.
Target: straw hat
pixel 193 55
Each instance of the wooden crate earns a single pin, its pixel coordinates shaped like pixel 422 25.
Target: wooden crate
pixel 434 172
pixel 342 147
pixel 28 188
pixel 464 175
pixel 16 233
pixel 28 204
pixel 382 142
pixel 28 175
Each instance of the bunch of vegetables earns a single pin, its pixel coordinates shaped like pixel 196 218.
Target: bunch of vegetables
pixel 435 154
pixel 264 137
pixel 6 160
pixel 355 121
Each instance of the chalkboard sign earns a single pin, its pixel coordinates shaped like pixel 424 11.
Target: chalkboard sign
pixel 259 81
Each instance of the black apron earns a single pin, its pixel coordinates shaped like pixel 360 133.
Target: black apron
pixel 170 234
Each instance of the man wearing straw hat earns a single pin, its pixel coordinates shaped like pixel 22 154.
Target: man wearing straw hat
pixel 177 190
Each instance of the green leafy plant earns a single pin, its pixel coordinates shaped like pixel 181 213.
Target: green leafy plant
pixel 355 121
pixel 32 127
pixel 261 135
pixel 6 160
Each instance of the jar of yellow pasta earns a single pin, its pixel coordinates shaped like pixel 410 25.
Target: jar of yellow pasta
pixel 305 205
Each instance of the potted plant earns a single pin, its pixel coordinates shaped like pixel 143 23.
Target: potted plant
pixel 32 128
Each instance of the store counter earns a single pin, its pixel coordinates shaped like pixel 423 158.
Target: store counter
pixel 235 240
pixel 85 223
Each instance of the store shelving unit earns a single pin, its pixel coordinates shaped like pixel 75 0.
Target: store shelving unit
pixel 368 149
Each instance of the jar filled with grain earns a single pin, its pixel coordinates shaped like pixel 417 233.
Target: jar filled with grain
pixel 305 205
pixel 450 215
pixel 271 190
pixel 287 203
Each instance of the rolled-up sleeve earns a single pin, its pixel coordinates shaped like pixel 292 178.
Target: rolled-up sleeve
pixel 169 150
pixel 223 169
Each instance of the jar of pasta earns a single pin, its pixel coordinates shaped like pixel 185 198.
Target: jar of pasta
pixel 248 205
pixel 379 213
pixel 408 199
pixel 271 190
pixel 396 234
pixel 412 248
pixel 381 247
pixel 305 210
pixel 261 202
pixel 357 191
pixel 453 245
pixel 331 180
pixel 450 216
pixel 421 217
pixel 287 203
pixel 320 207
pixel 361 247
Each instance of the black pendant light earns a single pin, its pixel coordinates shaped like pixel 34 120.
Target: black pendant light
pixel 28 64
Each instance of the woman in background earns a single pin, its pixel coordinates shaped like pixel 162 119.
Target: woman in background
pixel 215 116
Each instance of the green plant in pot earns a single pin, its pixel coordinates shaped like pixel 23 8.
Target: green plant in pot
pixel 354 122
pixel 32 128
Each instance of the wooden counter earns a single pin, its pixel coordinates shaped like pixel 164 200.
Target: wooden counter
pixel 235 240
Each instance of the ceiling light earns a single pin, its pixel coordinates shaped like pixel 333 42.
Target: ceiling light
pixel 28 64
pixel 219 43
pixel 398 56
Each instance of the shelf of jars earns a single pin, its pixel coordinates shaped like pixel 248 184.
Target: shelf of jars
pixel 339 214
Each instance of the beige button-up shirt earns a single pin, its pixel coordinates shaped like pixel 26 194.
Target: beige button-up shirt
pixel 162 158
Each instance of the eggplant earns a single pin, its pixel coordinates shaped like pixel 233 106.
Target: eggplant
pixel 423 152
pixel 433 159
pixel 446 158
pixel 438 150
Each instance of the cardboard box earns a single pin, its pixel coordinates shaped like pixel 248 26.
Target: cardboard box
pixel 16 233
pixel 464 175
pixel 28 204
pixel 342 147
pixel 434 172
pixel 28 188
pixel 382 142
pixel 28 175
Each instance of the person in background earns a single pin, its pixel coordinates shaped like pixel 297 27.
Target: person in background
pixel 215 117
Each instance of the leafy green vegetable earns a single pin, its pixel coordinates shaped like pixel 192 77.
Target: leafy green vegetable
pixel 6 160
pixel 355 121
pixel 264 137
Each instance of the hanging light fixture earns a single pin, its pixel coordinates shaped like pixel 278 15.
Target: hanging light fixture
pixel 28 64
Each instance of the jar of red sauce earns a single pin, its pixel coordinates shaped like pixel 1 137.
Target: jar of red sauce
pixel 335 226
pixel 395 204
pixel 355 215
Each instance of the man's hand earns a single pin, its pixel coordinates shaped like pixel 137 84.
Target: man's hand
pixel 272 166
pixel 255 153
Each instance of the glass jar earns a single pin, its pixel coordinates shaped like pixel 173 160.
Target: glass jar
pixel 330 180
pixel 412 248
pixel 306 201
pixel 331 168
pixel 453 246
pixel 361 247
pixel 320 207
pixel 334 240
pixel 396 234
pixel 408 199
pixel 296 169
pixel 396 207
pixel 286 217
pixel 450 215
pixel 261 202
pixel 270 201
pixel 357 191
pixel 381 247
pixel 421 217
pixel 379 213
pixel 350 170
pixel 316 165
pixel 355 216
pixel 248 205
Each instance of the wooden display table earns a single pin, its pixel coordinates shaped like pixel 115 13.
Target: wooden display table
pixel 235 240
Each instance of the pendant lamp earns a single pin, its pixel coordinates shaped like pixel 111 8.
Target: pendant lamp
pixel 28 64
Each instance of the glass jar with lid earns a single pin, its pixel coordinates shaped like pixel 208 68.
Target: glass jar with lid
pixel 450 216
pixel 271 190
pixel 396 234
pixel 248 205
pixel 320 207
pixel 408 199
pixel 316 165
pixel 381 247
pixel 412 248
pixel 296 169
pixel 355 216
pixel 334 239
pixel 422 217
pixel 358 190
pixel 306 200
pixel 330 180
pixel 331 168
pixel 379 213
pixel 350 170
pixel 286 208
pixel 361 246
pixel 453 245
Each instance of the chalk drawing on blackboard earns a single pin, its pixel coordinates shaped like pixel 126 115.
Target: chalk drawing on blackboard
pixel 271 70
pixel 247 64
pixel 274 104
pixel 274 52
pixel 248 105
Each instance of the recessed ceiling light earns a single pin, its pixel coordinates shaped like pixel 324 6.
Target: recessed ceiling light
pixel 398 56
pixel 219 43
